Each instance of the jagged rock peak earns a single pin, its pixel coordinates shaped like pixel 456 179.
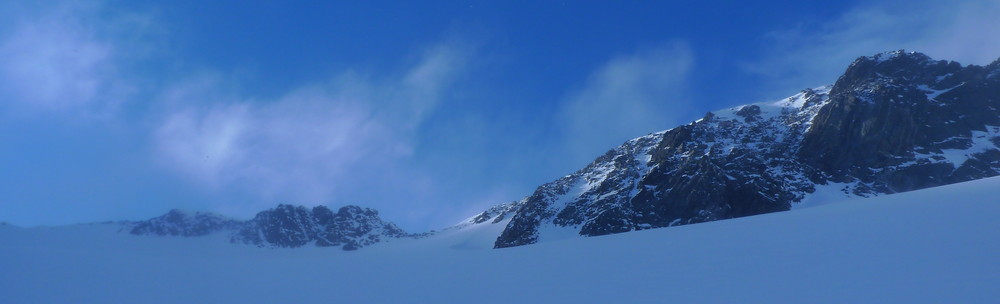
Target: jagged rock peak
pixel 872 72
pixel 892 122
pixel 178 222
pixel 289 226
pixel 898 55
pixel 880 112
pixel 495 214
pixel 356 212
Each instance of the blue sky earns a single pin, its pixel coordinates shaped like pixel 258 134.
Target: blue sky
pixel 429 112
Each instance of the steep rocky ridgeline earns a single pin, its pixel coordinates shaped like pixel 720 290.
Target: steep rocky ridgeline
pixel 893 122
pixel 902 121
pixel 495 214
pixel 287 226
pixel 183 223
pixel 351 227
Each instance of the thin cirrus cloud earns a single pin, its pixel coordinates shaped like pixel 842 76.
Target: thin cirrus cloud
pixel 58 59
pixel 312 144
pixel 801 57
pixel 629 96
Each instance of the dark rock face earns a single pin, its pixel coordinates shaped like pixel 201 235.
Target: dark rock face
pixel 496 214
pixel 283 226
pixel 883 111
pixel 353 227
pixel 893 122
pixel 183 223
pixel 290 226
pixel 287 226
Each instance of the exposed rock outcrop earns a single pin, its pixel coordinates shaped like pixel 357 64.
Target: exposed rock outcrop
pixel 893 122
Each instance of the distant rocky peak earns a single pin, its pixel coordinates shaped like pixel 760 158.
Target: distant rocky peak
pixel 349 213
pixel 178 215
pixel 898 55
pixel 350 227
pixel 322 213
pixel 175 215
pixel 290 226
pixel 178 222
pixel 353 211
pixel 495 214
pixel 289 209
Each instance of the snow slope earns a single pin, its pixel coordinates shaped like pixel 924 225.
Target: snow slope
pixel 937 245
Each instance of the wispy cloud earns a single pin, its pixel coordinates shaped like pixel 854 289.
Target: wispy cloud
pixel 314 142
pixel 63 58
pixel 815 54
pixel 629 96
pixel 332 141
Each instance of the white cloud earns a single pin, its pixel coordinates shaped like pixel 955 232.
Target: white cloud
pixel 627 97
pixel 62 59
pixel 964 31
pixel 311 144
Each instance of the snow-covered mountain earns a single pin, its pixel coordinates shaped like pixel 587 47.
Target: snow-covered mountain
pixel 183 223
pixel 894 122
pixel 935 245
pixel 351 227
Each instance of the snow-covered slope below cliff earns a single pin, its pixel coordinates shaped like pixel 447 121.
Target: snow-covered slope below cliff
pixel 893 122
pixel 936 245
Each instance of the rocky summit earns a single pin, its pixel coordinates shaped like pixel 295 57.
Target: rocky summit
pixel 351 227
pixel 893 122
pixel 183 223
pixel 286 226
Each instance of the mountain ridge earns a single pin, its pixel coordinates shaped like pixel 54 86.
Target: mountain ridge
pixel 285 226
pixel 928 246
pixel 893 122
pixel 864 133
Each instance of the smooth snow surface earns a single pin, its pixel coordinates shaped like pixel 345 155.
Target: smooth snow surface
pixel 936 245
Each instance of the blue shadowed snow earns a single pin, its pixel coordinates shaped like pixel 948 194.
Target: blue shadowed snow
pixel 935 245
